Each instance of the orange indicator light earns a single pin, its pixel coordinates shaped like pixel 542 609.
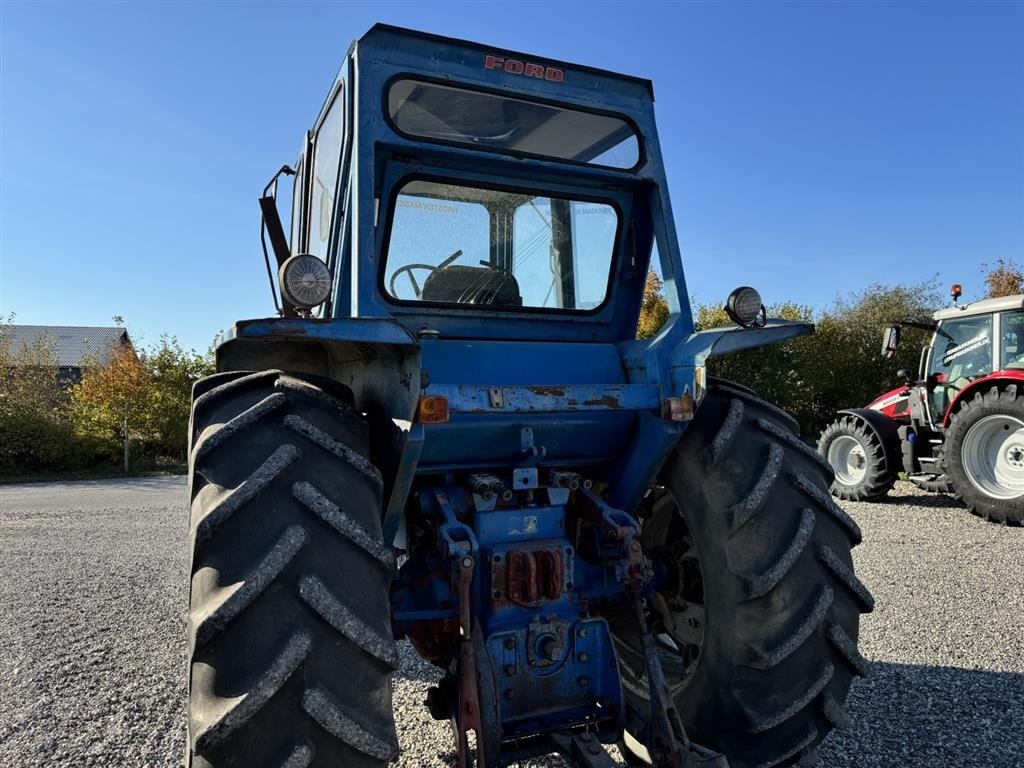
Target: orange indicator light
pixel 432 409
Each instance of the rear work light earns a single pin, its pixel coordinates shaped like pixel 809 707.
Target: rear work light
pixel 305 281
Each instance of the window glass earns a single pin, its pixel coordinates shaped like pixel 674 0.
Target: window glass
pixel 1011 350
pixel 469 245
pixel 554 242
pixel 426 231
pixel 326 160
pixel 503 123
pixel 961 352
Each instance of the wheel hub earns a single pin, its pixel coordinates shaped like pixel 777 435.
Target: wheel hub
pixel 848 459
pixel 1015 457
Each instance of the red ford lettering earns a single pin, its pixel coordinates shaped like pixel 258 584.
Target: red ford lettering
pixel 528 69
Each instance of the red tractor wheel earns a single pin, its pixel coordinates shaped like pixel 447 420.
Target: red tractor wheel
pixel 858 459
pixel 985 454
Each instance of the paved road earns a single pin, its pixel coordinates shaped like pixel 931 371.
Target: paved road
pixel 92 655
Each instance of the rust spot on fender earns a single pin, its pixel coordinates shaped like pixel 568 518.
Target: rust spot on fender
pixel 546 390
pixel 608 401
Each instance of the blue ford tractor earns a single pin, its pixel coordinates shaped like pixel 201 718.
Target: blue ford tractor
pixel 448 433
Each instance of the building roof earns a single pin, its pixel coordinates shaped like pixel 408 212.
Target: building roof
pixel 983 307
pixel 72 343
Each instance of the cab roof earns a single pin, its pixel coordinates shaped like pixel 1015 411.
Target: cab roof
pixel 982 307
pixel 388 30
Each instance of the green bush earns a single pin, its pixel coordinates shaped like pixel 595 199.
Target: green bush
pixel 34 432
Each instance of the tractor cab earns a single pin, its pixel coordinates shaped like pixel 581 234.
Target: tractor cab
pixel 969 344
pixel 490 190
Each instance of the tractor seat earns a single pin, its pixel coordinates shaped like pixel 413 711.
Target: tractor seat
pixel 460 284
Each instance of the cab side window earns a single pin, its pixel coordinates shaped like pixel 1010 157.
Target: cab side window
pixel 1011 346
pixel 327 146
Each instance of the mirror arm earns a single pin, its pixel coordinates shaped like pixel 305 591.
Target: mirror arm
pixel 272 221
pixel 270 224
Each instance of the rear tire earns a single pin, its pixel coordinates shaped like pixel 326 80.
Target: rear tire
pixel 985 454
pixel 290 635
pixel 858 460
pixel 767 577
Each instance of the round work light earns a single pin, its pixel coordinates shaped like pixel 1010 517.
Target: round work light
pixel 305 280
pixel 745 308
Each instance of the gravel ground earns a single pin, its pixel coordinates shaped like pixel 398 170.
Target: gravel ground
pixel 93 595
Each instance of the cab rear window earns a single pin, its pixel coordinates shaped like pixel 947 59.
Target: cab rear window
pixel 484 248
pixel 501 123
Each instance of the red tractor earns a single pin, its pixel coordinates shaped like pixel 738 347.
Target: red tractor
pixel 959 428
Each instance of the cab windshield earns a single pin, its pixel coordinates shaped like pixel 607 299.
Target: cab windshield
pixel 497 248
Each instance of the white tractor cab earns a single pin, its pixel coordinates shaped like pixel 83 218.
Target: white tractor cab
pixel 958 429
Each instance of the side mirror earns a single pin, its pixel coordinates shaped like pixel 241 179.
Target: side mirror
pixel 890 341
pixel 903 373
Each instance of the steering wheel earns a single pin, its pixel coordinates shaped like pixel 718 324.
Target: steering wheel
pixel 408 268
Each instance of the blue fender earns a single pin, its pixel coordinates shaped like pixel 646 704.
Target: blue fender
pixel 715 342
pixel 675 363
pixel 378 358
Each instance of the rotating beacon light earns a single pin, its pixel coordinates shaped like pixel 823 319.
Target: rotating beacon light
pixel 305 280
pixel 744 307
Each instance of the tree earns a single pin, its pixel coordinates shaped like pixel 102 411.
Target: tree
pixel 142 398
pixel 1005 278
pixel 33 407
pixel 111 401
pixel 654 307
pixel 171 372
pixel 847 365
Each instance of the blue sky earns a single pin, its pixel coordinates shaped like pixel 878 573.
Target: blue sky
pixel 811 149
